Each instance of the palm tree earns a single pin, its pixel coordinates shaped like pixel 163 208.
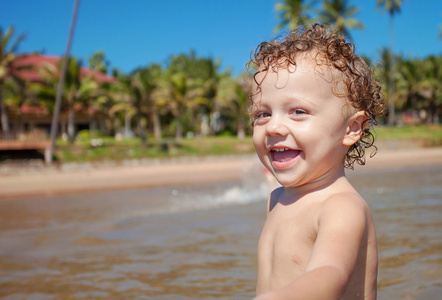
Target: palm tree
pixel 180 89
pixel 77 90
pixel 392 7
pixel 293 13
pixel 181 93
pixel 16 92
pixel 408 86
pixel 388 78
pixel 431 85
pixel 141 89
pixel 98 62
pixel 123 91
pixel 233 97
pixel 58 96
pixel 6 58
pixel 419 86
pixel 208 71
pixel 339 13
pixel 145 83
pixel 104 101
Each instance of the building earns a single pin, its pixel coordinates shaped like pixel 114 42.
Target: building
pixel 28 119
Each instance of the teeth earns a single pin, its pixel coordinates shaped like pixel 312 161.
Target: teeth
pixel 280 149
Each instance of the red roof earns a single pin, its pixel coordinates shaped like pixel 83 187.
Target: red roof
pixel 37 60
pixel 27 109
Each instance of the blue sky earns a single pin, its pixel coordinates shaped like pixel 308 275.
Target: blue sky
pixel 135 33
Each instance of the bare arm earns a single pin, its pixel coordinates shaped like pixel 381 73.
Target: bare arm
pixel 341 227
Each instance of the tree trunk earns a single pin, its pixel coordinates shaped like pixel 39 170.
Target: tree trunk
pixel 141 131
pixel 59 95
pixel 431 111
pixel 21 128
pixel 4 114
pixel 111 129
pixel 179 129
pixel 71 125
pixel 63 128
pixel 22 98
pixel 241 134
pixel 126 124
pixel 156 125
pixel 391 117
pixel 205 125
pixel 92 124
pixel 106 127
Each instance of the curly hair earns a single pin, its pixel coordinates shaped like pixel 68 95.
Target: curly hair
pixel 362 91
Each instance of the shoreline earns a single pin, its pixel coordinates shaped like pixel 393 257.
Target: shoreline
pixel 162 173
pixel 176 172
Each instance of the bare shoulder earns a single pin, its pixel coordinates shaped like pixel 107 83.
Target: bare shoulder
pixel 345 212
pixel 347 240
pixel 349 204
pixel 343 222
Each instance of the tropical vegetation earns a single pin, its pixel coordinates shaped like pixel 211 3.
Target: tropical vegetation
pixel 393 7
pixel 192 96
pixel 6 58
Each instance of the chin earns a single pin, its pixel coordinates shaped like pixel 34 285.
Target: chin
pixel 285 182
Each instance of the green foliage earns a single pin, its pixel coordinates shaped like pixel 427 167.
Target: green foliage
pixel 98 62
pixel 86 135
pixel 7 56
pixel 403 137
pixel 191 96
pixel 7 49
pixel 431 133
pixel 294 13
pixel 340 13
pixel 390 6
pixel 225 134
pixel 223 144
pixel 136 149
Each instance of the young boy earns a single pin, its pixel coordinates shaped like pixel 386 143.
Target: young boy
pixel 313 98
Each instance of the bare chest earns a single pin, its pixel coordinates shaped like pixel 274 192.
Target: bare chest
pixel 285 246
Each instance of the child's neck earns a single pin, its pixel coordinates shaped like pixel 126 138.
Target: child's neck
pixel 321 183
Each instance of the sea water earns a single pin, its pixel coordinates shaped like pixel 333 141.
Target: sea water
pixel 199 242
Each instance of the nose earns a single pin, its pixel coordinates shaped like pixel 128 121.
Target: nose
pixel 276 126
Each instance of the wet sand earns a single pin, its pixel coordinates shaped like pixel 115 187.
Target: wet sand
pixel 155 174
pixel 173 172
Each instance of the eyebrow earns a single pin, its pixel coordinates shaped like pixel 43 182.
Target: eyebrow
pixel 301 99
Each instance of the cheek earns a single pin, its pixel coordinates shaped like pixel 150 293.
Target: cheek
pixel 320 138
pixel 258 139
pixel 338 133
pixel 330 128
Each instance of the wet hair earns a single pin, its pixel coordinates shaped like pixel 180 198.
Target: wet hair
pixel 328 48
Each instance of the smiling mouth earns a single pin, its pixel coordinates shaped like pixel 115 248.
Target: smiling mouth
pixel 282 155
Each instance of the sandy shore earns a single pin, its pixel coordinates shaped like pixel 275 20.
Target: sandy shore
pixel 168 173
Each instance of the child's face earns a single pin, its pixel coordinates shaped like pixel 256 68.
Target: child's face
pixel 300 124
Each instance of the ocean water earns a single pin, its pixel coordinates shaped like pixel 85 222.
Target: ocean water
pixel 199 242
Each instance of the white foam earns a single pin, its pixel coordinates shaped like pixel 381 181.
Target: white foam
pixel 238 194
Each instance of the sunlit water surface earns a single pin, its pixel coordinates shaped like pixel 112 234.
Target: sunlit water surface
pixel 199 242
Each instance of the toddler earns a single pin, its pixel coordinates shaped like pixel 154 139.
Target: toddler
pixel 313 101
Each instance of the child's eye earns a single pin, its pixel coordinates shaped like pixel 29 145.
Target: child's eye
pixel 298 111
pixel 261 114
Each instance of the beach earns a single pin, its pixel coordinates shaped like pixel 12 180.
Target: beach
pixel 154 173
pixel 173 172
pixel 188 228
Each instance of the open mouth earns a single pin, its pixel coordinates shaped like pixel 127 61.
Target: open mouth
pixel 282 156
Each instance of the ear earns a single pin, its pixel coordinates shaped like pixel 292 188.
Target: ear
pixel 355 128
